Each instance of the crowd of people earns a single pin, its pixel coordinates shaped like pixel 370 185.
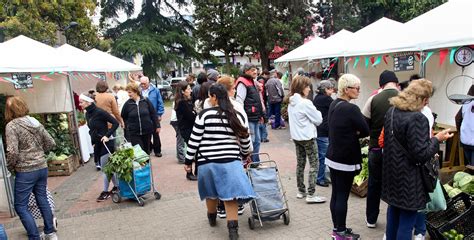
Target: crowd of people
pixel 220 122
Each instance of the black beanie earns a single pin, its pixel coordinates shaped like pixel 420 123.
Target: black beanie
pixel 386 77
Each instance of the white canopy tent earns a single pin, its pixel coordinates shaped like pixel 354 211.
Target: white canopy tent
pixel 302 52
pixel 114 64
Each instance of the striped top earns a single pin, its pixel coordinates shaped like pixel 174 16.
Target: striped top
pixel 212 139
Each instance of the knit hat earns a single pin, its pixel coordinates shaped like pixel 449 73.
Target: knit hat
pixel 246 67
pixel 212 74
pixel 386 77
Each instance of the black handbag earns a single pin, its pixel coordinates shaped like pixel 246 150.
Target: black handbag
pixel 428 171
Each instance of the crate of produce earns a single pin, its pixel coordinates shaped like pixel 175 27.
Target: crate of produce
pixel 360 190
pixel 62 167
pixel 456 207
pixel 462 228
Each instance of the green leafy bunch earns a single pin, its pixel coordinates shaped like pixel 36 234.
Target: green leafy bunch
pixel 57 127
pixel 121 163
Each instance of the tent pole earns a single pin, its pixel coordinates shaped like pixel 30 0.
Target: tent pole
pixel 74 117
pixel 345 65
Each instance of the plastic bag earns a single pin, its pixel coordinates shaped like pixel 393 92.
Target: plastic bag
pixel 139 154
pixel 437 200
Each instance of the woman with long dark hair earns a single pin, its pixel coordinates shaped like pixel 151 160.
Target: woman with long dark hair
pixel 185 113
pixel 219 139
pixel 203 101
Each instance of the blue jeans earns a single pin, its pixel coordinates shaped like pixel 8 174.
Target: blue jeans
pixel 400 223
pixel 420 224
pixel 25 184
pixel 262 127
pixel 255 134
pixel 323 143
pixel 275 109
pixel 3 234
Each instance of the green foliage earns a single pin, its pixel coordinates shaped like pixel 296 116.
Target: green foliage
pixel 264 24
pixel 159 39
pixel 121 163
pixel 40 20
pixel 57 127
pixel 356 14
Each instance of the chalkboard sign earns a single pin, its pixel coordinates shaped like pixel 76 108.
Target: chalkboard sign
pixel 403 62
pixel 22 80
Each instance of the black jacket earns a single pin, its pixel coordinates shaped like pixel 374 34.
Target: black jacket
pixel 252 103
pixel 139 118
pixel 401 181
pixel 186 117
pixel 97 121
pixel 322 103
pixel 346 125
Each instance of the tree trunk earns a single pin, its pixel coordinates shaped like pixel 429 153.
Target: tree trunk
pixel 264 57
pixel 227 62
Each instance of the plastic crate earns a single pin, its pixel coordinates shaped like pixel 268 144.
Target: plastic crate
pixel 457 206
pixel 464 225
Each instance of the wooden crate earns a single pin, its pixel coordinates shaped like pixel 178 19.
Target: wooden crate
pixel 62 168
pixel 361 190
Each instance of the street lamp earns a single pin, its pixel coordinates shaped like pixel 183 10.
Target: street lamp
pixel 71 25
pixel 62 34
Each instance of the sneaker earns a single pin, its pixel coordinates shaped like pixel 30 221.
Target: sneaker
pixel 315 199
pixel 98 167
pixel 221 213
pixel 370 225
pixel 345 235
pixel 300 195
pixel 49 236
pixel 420 237
pixel 158 155
pixel 103 196
pixel 322 184
pixel 241 209
pixel 114 190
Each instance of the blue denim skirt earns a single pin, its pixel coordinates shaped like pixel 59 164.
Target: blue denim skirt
pixel 224 181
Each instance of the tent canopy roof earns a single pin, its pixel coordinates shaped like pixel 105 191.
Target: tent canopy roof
pixel 114 64
pixel 302 52
pixel 23 54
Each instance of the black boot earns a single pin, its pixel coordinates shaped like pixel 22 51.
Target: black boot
pixel 233 226
pixel 212 219
pixel 191 177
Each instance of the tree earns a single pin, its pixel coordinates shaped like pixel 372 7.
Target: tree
pixel 216 29
pixel 159 39
pixel 264 24
pixel 41 20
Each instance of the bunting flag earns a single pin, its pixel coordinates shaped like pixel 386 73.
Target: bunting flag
pixel 377 62
pixel 385 59
pixel 334 59
pixel 46 78
pixel 347 62
pixel 372 60
pixel 9 80
pixel 451 56
pixel 427 57
pixel 418 55
pixel 3 80
pixel 442 56
pixel 51 73
pixel 356 61
pixel 366 62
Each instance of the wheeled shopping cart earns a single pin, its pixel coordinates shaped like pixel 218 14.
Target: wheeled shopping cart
pixel 270 203
pixel 142 183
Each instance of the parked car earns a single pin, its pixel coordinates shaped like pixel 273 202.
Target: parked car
pixel 176 80
pixel 163 84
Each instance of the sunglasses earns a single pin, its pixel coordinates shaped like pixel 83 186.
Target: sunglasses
pixel 357 88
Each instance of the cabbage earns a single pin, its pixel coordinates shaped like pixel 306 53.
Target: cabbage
pixel 454 192
pixel 459 175
pixel 465 182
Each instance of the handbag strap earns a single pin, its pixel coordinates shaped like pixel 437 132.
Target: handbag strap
pixel 392 134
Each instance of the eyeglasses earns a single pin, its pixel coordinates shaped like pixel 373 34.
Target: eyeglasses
pixel 357 88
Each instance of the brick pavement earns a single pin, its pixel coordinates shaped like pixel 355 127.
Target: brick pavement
pixel 180 214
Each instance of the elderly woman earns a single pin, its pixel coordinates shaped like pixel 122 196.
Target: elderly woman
pixel 97 121
pixel 27 141
pixel 139 114
pixel 465 123
pixel 346 125
pixel 322 101
pixel 219 139
pixel 407 144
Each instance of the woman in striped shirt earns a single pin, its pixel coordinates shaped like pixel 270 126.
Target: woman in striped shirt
pixel 219 139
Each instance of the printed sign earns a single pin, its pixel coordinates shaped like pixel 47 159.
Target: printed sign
pixel 22 80
pixel 403 62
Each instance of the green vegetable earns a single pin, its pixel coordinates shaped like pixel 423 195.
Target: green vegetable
pixel 454 192
pixel 364 172
pixel 465 182
pixel 121 163
pixel 459 175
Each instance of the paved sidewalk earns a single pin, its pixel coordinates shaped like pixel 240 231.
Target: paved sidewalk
pixel 180 214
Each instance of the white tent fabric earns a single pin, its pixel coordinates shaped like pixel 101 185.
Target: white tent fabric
pixel 333 46
pixel 449 25
pixel 22 54
pixel 80 61
pixel 114 64
pixel 302 52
